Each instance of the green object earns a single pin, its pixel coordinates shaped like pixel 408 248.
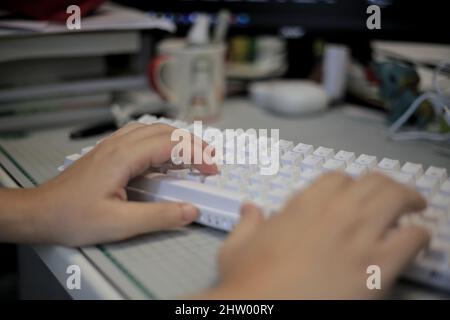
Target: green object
pixel 399 88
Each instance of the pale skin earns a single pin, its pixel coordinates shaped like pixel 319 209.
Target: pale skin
pixel 318 246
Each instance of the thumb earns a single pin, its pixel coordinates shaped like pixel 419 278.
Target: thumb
pixel 134 218
pixel 251 218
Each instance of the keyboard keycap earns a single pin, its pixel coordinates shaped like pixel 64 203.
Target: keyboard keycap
pixel 324 153
pixel 239 174
pixel 178 173
pixel 437 252
pixel 277 196
pixel 439 173
pixel 69 160
pixel 291 158
pixel 284 145
pixel 413 168
pixel 310 175
pixel 347 157
pixel 445 188
pixel 279 183
pixel 312 162
pixel 233 185
pixel 400 177
pixel 389 164
pixel 195 177
pixel 213 181
pixel 86 150
pixel 334 165
pixel 429 185
pixel 147 119
pixel 356 169
pixel 441 201
pixel 290 173
pixel 304 149
pixel 369 161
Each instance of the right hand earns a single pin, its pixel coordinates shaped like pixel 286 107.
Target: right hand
pixel 320 245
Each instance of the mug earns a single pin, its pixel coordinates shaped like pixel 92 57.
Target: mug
pixel 190 78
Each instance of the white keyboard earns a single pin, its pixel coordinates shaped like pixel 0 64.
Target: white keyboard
pixel 219 197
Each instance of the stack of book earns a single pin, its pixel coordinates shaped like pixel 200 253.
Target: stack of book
pixel 54 76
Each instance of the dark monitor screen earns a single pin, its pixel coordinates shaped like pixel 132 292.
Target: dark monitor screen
pixel 400 19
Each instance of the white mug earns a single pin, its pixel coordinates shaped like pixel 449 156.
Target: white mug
pixel 335 70
pixel 190 78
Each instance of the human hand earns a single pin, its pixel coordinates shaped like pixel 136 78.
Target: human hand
pixel 320 245
pixel 87 203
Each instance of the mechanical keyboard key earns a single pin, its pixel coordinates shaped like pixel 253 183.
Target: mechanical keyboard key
pixel 178 173
pixel 334 165
pixel 304 149
pixel 369 161
pixel 346 156
pixel 400 177
pixel 324 153
pixel 291 158
pixel 428 185
pixel 284 145
pixel 441 201
pixel 389 164
pixel 445 188
pixel 69 160
pixel 439 173
pixel 413 168
pixel 356 169
pixel 310 175
pixel 311 162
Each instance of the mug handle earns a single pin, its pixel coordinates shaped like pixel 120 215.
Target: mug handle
pixel 155 70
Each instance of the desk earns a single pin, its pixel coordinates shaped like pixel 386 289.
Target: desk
pixel 343 128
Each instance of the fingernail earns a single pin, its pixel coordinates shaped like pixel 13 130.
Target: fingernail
pixel 189 212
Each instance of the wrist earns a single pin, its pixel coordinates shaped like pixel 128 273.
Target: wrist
pixel 17 223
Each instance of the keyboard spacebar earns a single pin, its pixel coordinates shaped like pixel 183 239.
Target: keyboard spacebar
pixel 218 208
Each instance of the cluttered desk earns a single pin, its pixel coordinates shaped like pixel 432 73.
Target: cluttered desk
pixel 320 132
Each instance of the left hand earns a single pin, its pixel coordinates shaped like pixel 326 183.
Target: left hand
pixel 87 203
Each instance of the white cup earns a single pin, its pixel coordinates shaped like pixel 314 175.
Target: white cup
pixel 190 78
pixel 335 70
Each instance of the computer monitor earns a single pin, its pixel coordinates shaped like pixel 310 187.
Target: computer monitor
pixel 400 20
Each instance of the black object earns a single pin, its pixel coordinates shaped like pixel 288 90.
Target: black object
pixel 93 130
pixel 400 20
pixel 99 128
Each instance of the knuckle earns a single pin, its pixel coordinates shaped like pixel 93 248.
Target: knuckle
pixel 111 149
pixel 335 176
pixel 162 127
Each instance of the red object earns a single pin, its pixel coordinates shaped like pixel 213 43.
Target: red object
pixel 153 73
pixel 54 10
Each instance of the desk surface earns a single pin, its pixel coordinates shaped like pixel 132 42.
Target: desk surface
pixel 138 268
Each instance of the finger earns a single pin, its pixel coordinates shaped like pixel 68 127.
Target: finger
pixel 399 249
pixel 364 188
pixel 386 206
pixel 320 193
pixel 128 219
pixel 157 150
pixel 143 131
pixel 251 218
pixel 127 128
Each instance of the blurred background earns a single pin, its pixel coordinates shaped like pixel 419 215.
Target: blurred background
pixel 186 58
